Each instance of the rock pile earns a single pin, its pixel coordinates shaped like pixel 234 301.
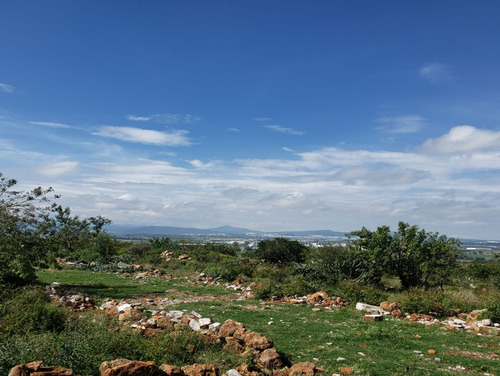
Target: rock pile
pixel 125 367
pixel 74 300
pixel 39 369
pixel 318 299
pixel 233 335
pixel 467 321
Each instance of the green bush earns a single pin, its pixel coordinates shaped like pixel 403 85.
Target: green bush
pixel 423 301
pixel 29 310
pixel 355 292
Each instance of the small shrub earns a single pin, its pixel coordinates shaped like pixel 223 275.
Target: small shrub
pixel 267 290
pixel 29 310
pixel 355 292
pixel 423 301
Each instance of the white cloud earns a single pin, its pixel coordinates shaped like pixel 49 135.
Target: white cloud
pixel 145 136
pixel 402 124
pixel 435 72
pixel 57 169
pixel 199 164
pixel 50 124
pixel 235 130
pixel 280 129
pixel 6 88
pixel 166 118
pixel 463 139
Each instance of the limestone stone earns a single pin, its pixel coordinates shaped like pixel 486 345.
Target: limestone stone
pixel 234 345
pixel 228 328
pixel 270 359
pixel 130 314
pixel 171 370
pixel 20 370
pixel 125 367
pixel 317 297
pixel 199 369
pixel 164 323
pixel 389 306
pixel 303 368
pixel 195 325
pixel 375 317
pixel 258 341
pixel 38 369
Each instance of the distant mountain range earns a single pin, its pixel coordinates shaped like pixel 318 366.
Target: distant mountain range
pixel 223 230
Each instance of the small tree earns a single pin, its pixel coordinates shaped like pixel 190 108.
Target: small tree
pixel 417 257
pixel 19 246
pixel 281 251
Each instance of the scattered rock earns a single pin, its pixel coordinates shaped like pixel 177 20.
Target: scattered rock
pixel 258 341
pixel 125 367
pixel 228 328
pixel 303 368
pixel 270 359
pixel 199 369
pixel 170 370
pixel 38 369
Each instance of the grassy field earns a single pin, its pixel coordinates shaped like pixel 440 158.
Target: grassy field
pixel 331 339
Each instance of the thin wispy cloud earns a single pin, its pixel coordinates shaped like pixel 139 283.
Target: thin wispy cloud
pixel 435 72
pixel 50 124
pixel 235 130
pixel 145 136
pixel 280 129
pixel 401 124
pixel 166 118
pixel 6 88
pixel 57 169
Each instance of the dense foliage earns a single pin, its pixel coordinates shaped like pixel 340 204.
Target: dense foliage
pixel 34 231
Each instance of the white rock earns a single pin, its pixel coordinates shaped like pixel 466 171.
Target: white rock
pixel 196 314
pixel 194 324
pixel 175 316
pixel 205 322
pixel 151 322
pixel 123 307
pixel 232 372
pixel 214 327
pixel 369 308
pixel 486 322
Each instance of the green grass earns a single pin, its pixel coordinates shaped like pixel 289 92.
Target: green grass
pixel 369 348
pixel 118 286
pixel 324 337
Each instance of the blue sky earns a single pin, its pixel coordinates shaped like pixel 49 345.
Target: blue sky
pixel 271 115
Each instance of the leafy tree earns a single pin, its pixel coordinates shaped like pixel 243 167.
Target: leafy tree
pixel 19 215
pixel 417 257
pixel 31 227
pixel 281 251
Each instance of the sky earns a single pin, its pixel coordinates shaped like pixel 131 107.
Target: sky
pixel 270 115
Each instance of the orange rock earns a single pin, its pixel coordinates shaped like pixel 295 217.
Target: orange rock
pixel 346 370
pixel 199 369
pixel 122 367
pixel 303 368
pixel 418 336
pixel 270 359
pixel 228 328
pixel 257 341
pixel 317 297
pixel 431 351
pixel 171 370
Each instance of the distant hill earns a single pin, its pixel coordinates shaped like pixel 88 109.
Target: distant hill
pixel 228 230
